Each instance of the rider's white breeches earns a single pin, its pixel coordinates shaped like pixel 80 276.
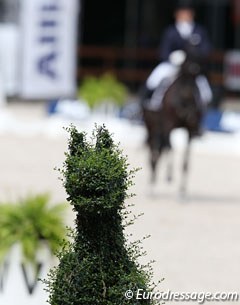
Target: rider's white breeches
pixel 163 70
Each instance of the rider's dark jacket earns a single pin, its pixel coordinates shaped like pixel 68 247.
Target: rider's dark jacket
pixel 172 41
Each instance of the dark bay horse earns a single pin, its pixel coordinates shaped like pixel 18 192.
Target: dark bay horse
pixel 181 107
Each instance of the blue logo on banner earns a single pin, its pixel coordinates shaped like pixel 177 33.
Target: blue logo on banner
pixel 46 64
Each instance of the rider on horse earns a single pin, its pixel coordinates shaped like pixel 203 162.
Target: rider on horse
pixel 177 40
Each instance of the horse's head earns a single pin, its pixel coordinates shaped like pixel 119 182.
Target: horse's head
pixel 184 95
pixel 192 65
pixel 187 102
pixel 189 60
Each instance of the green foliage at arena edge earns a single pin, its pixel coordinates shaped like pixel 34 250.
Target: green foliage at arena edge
pixel 31 223
pixel 99 265
pixel 106 88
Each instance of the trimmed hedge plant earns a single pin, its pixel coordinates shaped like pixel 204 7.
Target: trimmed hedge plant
pixel 99 265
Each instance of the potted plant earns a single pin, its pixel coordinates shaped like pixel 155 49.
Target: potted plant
pixel 99 265
pixel 31 231
pixel 104 94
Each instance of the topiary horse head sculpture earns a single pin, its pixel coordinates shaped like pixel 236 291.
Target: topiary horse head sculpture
pixel 98 267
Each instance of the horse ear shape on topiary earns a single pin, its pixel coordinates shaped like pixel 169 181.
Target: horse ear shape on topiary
pixel 98 266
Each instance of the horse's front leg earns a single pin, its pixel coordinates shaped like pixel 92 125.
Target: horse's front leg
pixel 155 154
pixel 169 154
pixel 169 165
pixel 185 168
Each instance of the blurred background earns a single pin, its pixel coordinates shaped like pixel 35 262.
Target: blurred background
pixel 84 62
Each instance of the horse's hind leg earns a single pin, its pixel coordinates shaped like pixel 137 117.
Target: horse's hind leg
pixel 185 168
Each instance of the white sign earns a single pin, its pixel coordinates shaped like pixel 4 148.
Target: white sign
pixel 19 282
pixel 232 70
pixel 48 59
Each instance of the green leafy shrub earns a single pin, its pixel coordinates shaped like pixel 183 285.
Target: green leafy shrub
pixel 30 222
pixel 99 265
pixel 95 90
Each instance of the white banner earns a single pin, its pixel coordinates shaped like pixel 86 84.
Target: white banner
pixel 48 55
